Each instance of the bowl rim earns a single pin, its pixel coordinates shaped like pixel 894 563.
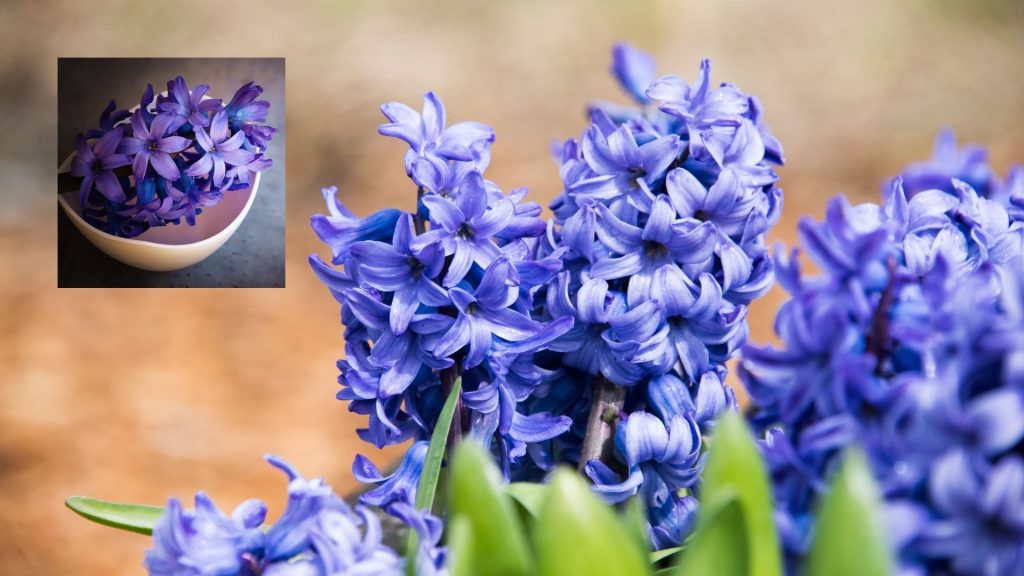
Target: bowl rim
pixel 74 215
pixel 65 166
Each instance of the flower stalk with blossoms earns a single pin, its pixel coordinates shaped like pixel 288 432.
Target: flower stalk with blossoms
pixel 176 154
pixel 596 340
pixel 661 228
pixel 908 344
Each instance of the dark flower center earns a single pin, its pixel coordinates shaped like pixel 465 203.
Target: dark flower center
pixel 153 146
pixel 465 231
pixel 416 267
pixel 472 308
pixel 213 147
pixel 702 216
pixel 97 166
pixel 654 250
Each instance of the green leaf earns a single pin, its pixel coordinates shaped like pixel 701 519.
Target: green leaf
pixel 137 518
pixel 578 534
pixel 435 452
pixel 427 487
pixel 636 521
pixel 529 495
pixel 849 537
pixel 477 494
pixel 659 555
pixel 735 470
pixel 719 547
pixel 460 548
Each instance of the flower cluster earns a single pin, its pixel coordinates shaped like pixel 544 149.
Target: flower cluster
pixel 909 343
pixel 177 153
pixel 443 292
pixel 661 224
pixel 640 283
pixel 317 535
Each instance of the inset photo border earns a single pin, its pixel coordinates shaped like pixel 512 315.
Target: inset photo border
pixel 171 172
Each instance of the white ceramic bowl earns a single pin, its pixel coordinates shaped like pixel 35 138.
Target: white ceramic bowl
pixel 171 247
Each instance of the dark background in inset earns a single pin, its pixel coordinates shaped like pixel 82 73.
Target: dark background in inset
pixel 137 395
pixel 254 255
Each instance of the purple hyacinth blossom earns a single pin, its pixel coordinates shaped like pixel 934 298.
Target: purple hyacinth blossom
pixel 340 228
pixel 189 106
pixel 151 145
pixel 969 164
pixel 109 118
pixel 719 120
pixel 406 274
pixel 244 173
pixel 634 69
pixel 485 314
pixel 623 168
pixel 400 486
pixel 426 134
pixel 317 535
pixel 702 326
pixel 668 396
pixel 464 227
pixel 660 459
pixel 640 252
pixel 401 356
pixel 157 212
pixel 222 148
pixel 244 108
pixel 95 165
pixel 981 527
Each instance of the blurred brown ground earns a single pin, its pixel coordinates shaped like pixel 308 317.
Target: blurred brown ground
pixel 141 394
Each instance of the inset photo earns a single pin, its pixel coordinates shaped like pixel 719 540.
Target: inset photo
pixel 171 172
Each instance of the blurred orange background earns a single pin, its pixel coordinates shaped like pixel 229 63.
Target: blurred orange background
pixel 138 395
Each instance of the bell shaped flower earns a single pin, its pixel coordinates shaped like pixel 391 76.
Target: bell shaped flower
pixel 660 459
pixel 109 118
pixel 189 105
pixel 624 169
pixel 484 314
pixel 318 534
pixel 465 227
pixel 151 146
pixel 408 276
pixel 634 69
pixel 639 252
pixel 981 527
pixel 948 162
pixel 340 228
pixel 221 147
pixel 427 135
pixel 95 165
pixel 400 486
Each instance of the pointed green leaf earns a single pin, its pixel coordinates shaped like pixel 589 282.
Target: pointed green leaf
pixel 460 548
pixel 435 452
pixel 137 518
pixel 849 537
pixel 719 547
pixel 577 534
pixel 427 487
pixel 660 555
pixel 734 469
pixel 529 495
pixel 477 494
